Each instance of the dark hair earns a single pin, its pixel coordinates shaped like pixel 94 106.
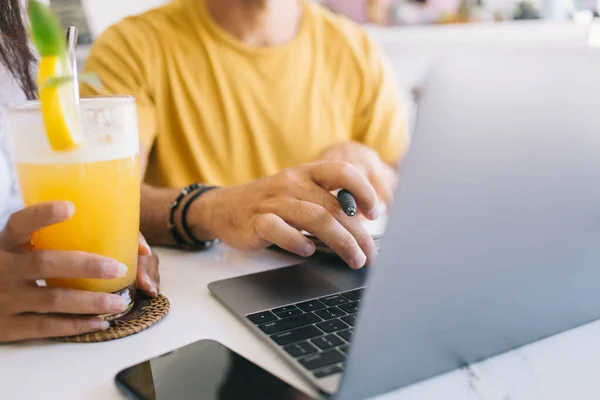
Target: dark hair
pixel 15 54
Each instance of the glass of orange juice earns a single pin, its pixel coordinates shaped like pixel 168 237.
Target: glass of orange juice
pixel 101 177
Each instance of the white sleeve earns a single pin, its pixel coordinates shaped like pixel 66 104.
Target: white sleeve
pixel 10 199
pixel 10 196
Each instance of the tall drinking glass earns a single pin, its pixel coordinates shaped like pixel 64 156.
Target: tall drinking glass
pixel 101 177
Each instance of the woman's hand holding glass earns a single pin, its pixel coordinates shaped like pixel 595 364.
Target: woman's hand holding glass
pixel 31 311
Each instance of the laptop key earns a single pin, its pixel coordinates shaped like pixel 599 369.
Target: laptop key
pixel 284 309
pixel 350 308
pixel 344 349
pixel 330 313
pixel 332 325
pixel 334 300
pixel 312 305
pixel 297 335
pixel 322 373
pixel 261 317
pixel 289 313
pixel 289 323
pixel 354 295
pixel 300 349
pixel 346 335
pixel 320 360
pixel 349 319
pixel 327 342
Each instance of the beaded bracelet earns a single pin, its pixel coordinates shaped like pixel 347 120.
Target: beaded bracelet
pixel 172 228
pixel 201 245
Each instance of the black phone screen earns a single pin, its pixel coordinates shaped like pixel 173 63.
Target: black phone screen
pixel 203 370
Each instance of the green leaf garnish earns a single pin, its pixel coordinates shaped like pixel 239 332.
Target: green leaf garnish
pixel 46 32
pixel 89 78
pixel 56 81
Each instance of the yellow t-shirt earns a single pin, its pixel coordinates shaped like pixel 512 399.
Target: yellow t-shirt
pixel 216 111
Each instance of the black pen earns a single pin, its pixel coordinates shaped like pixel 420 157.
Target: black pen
pixel 347 202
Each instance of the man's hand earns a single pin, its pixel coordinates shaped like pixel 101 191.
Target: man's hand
pixel 28 311
pixel 382 176
pixel 271 210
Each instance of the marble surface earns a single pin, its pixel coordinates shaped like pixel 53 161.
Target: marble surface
pixel 561 367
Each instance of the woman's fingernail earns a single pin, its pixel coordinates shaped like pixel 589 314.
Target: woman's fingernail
pixel 122 270
pixel 151 285
pixel 309 249
pixel 70 209
pixel 99 325
pixel 113 269
pixel 117 303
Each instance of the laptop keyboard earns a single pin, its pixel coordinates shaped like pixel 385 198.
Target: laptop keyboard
pixel 316 332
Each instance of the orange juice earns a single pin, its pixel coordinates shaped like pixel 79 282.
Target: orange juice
pixel 101 178
pixel 106 195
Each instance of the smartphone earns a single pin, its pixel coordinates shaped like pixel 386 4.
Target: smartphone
pixel 203 370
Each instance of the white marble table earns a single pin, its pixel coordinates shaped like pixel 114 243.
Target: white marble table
pixel 562 367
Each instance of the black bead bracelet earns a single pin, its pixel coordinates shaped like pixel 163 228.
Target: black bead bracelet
pixel 199 244
pixel 172 228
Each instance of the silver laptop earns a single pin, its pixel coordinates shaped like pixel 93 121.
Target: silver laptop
pixel 493 241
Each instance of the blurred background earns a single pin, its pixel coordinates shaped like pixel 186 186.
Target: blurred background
pixel 412 32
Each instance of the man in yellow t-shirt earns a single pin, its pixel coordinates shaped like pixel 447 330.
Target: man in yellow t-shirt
pixel 241 94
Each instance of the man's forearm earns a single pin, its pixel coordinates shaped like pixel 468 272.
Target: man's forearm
pixel 155 213
pixel 154 218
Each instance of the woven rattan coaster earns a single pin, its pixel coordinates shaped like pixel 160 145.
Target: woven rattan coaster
pixel 145 313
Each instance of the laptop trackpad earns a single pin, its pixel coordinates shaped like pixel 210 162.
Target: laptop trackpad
pixel 312 279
